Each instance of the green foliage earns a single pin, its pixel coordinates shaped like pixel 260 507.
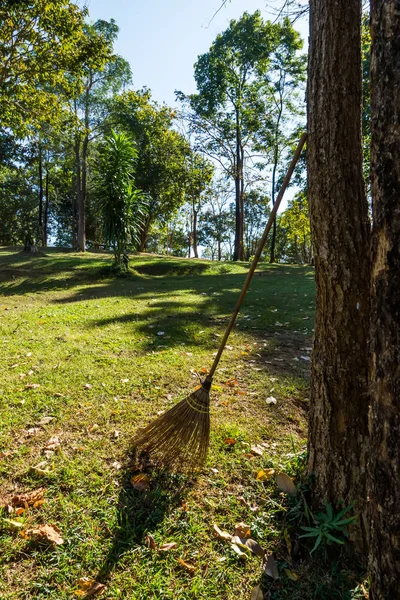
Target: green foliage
pixel 294 232
pixel 328 525
pixel 42 49
pixel 122 206
pixel 161 168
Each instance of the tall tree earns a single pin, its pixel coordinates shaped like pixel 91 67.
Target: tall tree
pixel 384 490
pixel 162 155
pixel 228 107
pixel 42 49
pixel 92 108
pixel 338 430
pixel 283 106
pixel 199 173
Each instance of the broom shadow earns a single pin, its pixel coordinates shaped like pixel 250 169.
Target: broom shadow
pixel 140 513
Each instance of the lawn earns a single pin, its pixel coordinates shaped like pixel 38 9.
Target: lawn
pixel 86 359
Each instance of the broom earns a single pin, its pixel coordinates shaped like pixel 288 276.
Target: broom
pixel 179 438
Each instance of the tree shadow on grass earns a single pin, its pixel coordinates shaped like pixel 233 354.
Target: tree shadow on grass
pixel 140 513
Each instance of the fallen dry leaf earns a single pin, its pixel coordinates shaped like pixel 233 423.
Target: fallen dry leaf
pixel 257 594
pixel 258 450
pixel 13 524
pixel 233 382
pixel 222 535
pixel 29 498
pixel 255 547
pixel 33 431
pixel 150 543
pixel 42 468
pixel 270 567
pixel 53 444
pixel 238 551
pixel 242 530
pixel 89 587
pixel 87 386
pixel 20 511
pixel 230 441
pixel 285 483
pixel 32 386
pixel 141 482
pixel 265 475
pixel 168 546
pixel 187 566
pixel 116 465
pixel 44 533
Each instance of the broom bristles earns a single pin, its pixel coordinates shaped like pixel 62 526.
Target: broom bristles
pixel 179 438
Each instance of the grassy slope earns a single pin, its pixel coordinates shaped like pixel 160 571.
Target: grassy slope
pixel 94 345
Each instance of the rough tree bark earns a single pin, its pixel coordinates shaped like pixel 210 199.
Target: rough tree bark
pixel 385 318
pixel 338 427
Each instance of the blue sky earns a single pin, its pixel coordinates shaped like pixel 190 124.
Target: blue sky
pixel 162 39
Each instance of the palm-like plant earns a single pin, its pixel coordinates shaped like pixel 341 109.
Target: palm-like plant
pixel 122 205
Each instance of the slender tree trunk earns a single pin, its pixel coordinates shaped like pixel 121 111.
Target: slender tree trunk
pixel 41 193
pixel 82 198
pixel 241 187
pixel 239 213
pixel 338 428
pixel 384 489
pixel 273 237
pixel 46 211
pixel 195 214
pixel 274 169
pixel 219 250
pixel 78 198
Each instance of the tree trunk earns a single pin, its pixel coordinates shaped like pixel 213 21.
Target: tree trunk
pixel 338 428
pixel 274 169
pixel 46 211
pixel 239 212
pixel 219 250
pixel 384 489
pixel 82 198
pixel 195 250
pixel 40 194
pixel 273 237
pixel 77 200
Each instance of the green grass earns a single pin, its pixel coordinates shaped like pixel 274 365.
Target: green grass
pixel 107 354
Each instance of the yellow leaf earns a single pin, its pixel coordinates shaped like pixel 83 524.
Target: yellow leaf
pixel 19 511
pixel 187 566
pixel 13 524
pixel 89 587
pixel 265 475
pixel 204 371
pixel 141 482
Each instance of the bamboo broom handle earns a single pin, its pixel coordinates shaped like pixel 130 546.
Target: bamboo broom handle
pixel 258 254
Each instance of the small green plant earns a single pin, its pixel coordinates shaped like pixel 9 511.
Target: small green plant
pixel 327 524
